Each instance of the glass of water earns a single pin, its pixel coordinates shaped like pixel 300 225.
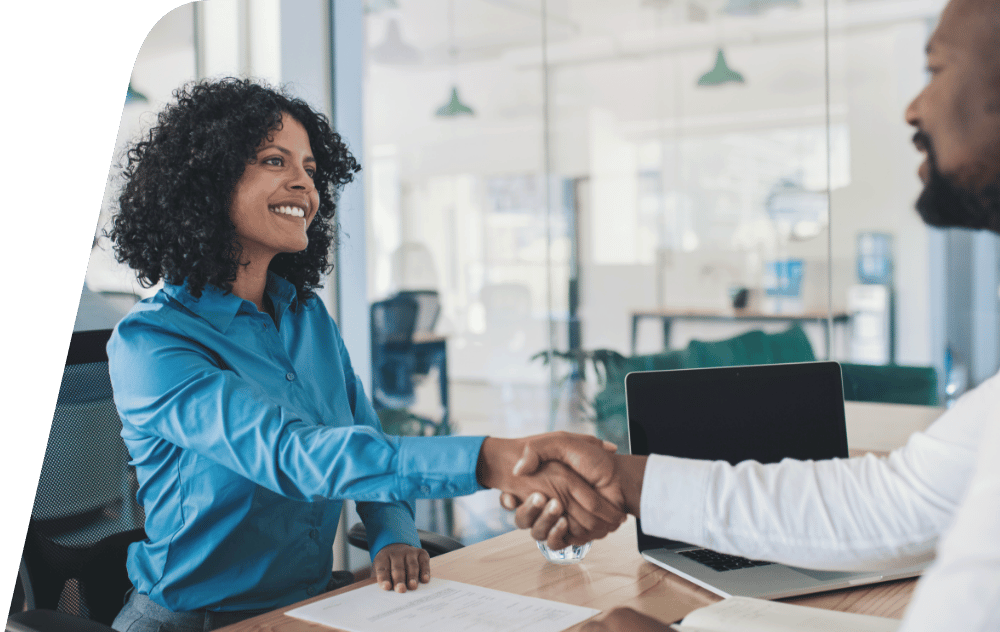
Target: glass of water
pixel 569 555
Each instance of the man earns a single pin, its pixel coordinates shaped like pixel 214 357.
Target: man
pixel 862 512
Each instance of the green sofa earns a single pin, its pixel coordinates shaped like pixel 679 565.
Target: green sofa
pixel 867 383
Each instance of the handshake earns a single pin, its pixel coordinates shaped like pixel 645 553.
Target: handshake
pixel 567 488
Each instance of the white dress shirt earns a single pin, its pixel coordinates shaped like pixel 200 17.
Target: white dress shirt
pixel 860 513
pixel 961 590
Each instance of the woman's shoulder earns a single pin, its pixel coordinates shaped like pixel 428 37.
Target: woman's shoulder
pixel 158 314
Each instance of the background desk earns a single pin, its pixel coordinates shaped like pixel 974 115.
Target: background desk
pixel 668 316
pixel 612 575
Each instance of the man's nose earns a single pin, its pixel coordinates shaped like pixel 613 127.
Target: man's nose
pixel 912 113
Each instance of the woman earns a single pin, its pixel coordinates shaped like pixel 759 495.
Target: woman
pixel 245 420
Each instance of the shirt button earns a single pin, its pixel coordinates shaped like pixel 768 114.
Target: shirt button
pixel 311 591
pixel 313 533
pixel 290 376
pixel 425 489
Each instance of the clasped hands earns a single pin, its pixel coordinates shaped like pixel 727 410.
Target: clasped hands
pixel 566 488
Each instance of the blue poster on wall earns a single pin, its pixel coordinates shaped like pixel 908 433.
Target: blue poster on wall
pixel 875 258
pixel 784 278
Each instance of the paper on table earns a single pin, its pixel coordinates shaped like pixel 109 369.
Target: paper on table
pixel 441 606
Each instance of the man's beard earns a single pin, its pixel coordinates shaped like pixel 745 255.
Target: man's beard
pixel 945 204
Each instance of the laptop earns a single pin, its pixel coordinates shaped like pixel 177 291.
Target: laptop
pixel 763 412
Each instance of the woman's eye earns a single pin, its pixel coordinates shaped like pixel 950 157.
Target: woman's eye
pixel 311 172
pixel 273 160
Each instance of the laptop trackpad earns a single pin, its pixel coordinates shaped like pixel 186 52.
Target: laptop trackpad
pixel 826 576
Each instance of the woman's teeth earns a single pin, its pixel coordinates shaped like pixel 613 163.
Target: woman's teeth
pixel 294 211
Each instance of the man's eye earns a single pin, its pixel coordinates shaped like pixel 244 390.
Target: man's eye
pixel 311 172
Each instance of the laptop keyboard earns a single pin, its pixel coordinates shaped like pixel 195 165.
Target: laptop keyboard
pixel 720 561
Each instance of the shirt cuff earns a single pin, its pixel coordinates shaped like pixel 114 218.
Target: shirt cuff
pixel 438 467
pixel 388 523
pixel 673 497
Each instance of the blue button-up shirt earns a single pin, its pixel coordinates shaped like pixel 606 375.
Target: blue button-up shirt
pixel 246 437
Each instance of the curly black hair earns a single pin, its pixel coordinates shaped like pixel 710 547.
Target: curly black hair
pixel 173 220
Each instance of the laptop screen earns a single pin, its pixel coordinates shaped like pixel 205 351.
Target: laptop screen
pixel 762 412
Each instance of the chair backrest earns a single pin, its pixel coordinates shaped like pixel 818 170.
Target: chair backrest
pixel 393 321
pixel 428 309
pixel 85 512
pixel 393 364
pixel 82 470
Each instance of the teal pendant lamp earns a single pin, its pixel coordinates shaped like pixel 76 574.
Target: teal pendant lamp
pixel 721 74
pixel 454 106
pixel 378 6
pixel 756 7
pixel 134 96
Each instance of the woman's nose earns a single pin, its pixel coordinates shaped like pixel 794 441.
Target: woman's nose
pixel 301 180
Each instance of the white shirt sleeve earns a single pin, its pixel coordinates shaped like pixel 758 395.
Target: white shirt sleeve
pixel 961 590
pixel 840 514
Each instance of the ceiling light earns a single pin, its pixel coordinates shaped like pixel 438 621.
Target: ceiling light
pixel 393 50
pixel 721 74
pixel 454 106
pixel 378 6
pixel 755 7
pixel 134 96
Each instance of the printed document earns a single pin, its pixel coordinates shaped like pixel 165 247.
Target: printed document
pixel 441 606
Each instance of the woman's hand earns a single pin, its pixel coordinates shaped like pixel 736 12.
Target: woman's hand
pixel 401 566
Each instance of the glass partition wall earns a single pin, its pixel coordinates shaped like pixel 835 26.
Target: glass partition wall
pixel 589 182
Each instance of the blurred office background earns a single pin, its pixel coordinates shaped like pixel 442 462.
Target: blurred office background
pixel 557 191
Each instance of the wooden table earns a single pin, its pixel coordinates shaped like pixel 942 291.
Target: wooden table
pixel 612 575
pixel 668 316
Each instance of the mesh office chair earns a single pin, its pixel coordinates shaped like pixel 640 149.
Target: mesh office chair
pixel 398 364
pixel 428 310
pixel 72 574
pixel 393 322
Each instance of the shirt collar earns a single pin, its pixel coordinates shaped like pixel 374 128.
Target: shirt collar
pixel 219 308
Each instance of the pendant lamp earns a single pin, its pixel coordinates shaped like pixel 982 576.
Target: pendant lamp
pixel 377 6
pixel 134 96
pixel 454 106
pixel 721 74
pixel 393 50
pixel 755 7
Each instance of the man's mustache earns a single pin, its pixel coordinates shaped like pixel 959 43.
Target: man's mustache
pixel 922 141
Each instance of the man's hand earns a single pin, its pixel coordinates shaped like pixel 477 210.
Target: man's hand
pixel 625 620
pixel 588 456
pixel 542 515
pixel 588 513
pixel 401 566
